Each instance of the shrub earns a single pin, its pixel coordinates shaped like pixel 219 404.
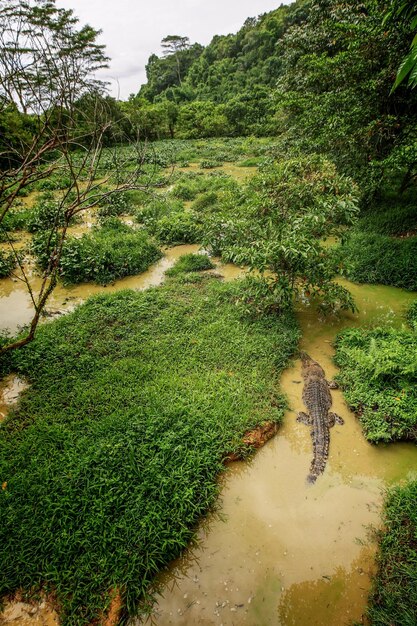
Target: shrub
pixel 47 213
pixel 158 207
pixel 412 315
pixel 115 204
pixel 208 164
pixel 105 255
pixel 191 263
pixel 175 228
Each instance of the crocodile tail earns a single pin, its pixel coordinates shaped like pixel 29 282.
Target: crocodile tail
pixel 321 453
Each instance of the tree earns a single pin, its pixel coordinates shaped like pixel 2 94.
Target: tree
pixel 61 121
pixel 173 45
pixel 278 227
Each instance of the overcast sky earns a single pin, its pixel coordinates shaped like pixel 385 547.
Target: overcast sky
pixel 133 29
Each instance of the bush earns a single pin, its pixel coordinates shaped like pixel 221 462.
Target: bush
pixel 206 200
pixel 372 258
pixel 379 378
pixel 158 207
pixel 105 255
pixel 208 164
pixel 191 263
pixel 47 213
pixel 115 204
pixel 175 228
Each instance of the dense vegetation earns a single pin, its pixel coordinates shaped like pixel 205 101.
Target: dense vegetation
pixel 113 454
pixel 379 379
pixel 115 449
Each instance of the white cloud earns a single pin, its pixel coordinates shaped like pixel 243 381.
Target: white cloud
pixel 133 29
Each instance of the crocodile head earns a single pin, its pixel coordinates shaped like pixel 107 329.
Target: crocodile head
pixel 310 367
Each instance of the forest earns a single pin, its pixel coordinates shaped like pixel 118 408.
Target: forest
pixel 165 262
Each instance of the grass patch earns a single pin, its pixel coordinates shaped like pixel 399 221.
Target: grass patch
pixel 114 452
pixel 373 258
pixel 394 595
pixel 379 378
pixel 191 263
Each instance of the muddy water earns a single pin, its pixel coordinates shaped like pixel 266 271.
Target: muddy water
pixel 285 553
pixel 16 308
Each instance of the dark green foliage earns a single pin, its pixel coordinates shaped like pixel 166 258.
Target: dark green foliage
pixel 207 200
pixel 412 315
pixel 276 225
pixel 114 453
pixel 373 258
pixel 390 218
pixel 190 263
pixel 7 264
pixel 16 220
pixel 379 378
pixel 209 164
pixel 394 595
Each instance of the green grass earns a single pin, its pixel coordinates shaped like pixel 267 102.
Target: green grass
pixel 374 258
pixel 114 453
pixel 393 600
pixel 190 263
pixel 379 378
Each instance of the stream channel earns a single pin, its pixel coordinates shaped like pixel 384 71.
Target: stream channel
pixel 277 552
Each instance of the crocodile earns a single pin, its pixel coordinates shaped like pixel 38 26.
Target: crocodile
pixel 318 401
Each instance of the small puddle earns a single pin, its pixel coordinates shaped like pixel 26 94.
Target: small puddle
pixel 285 553
pixel 10 389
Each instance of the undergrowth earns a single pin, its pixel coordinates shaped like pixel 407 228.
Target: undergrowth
pixel 113 454
pixel 374 258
